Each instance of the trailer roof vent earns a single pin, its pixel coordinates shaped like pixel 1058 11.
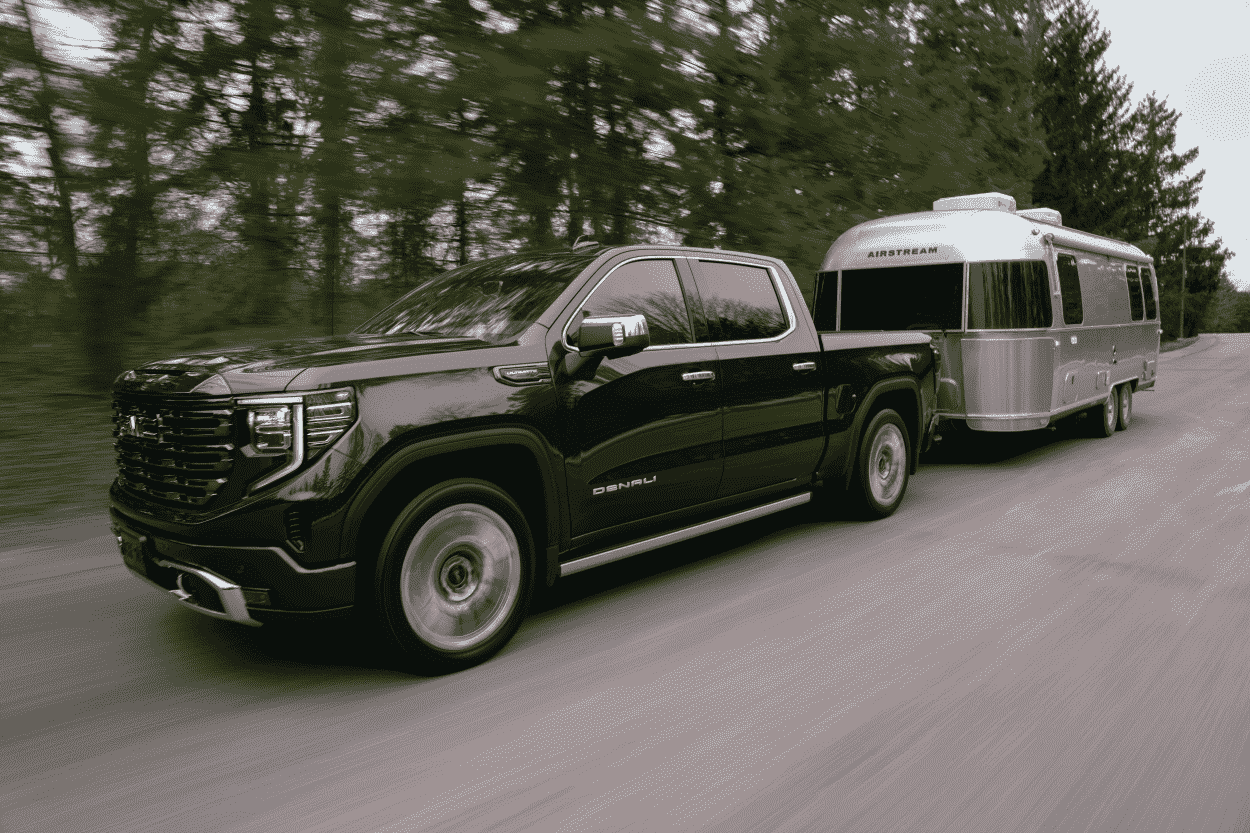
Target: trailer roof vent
pixel 1043 215
pixel 973 202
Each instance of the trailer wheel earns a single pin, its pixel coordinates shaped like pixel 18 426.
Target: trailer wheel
pixel 454 576
pixel 881 468
pixel 1106 416
pixel 1126 405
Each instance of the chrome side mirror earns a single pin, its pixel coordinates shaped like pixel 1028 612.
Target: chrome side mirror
pixel 613 336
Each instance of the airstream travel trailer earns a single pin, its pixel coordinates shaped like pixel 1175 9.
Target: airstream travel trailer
pixel 1032 320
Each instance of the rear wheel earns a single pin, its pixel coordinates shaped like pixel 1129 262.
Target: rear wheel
pixel 1106 416
pixel 1126 405
pixel 881 467
pixel 455 576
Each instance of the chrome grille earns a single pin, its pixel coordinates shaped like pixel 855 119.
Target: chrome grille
pixel 175 452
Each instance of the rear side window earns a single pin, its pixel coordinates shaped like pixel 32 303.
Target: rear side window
pixel 1134 293
pixel 740 301
pixel 650 288
pixel 1070 289
pixel 1008 295
pixel 902 298
pixel 1147 284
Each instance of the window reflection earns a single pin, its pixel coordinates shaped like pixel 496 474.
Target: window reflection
pixel 1008 295
pixel 740 301
pixel 1070 290
pixel 491 300
pixel 1134 293
pixel 650 288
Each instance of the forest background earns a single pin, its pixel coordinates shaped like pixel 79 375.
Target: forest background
pixel 242 170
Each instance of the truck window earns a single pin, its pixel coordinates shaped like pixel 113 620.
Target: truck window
pixel 1008 295
pixel 740 301
pixel 1148 285
pixel 926 297
pixel 492 300
pixel 1134 293
pixel 650 288
pixel 1070 290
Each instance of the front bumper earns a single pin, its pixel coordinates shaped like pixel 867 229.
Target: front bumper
pixel 248 585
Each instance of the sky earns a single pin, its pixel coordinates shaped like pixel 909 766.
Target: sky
pixel 1193 54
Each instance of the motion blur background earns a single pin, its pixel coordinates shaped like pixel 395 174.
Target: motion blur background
pixel 194 174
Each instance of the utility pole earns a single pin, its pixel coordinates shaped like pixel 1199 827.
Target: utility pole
pixel 1184 269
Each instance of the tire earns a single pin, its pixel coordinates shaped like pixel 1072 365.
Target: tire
pixel 882 466
pixel 1106 416
pixel 454 576
pixel 1126 406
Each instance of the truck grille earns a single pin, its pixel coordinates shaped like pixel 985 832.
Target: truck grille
pixel 179 453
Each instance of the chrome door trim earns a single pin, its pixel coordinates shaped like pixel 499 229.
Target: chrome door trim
pixel 577 565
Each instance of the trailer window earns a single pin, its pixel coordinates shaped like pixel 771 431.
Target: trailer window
pixel 1070 289
pixel 1148 285
pixel 1008 295
pixel 900 297
pixel 1134 293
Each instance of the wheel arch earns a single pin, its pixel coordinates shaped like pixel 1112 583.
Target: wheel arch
pixel 902 393
pixel 513 458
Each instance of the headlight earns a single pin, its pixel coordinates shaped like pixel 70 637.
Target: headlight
pixel 296 427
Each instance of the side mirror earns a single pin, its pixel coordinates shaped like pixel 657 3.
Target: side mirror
pixel 613 336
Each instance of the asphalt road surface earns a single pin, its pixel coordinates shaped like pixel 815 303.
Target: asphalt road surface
pixel 1053 633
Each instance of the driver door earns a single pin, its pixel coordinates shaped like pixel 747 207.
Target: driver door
pixel 644 431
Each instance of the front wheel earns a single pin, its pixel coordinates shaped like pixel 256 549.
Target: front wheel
pixel 455 575
pixel 881 468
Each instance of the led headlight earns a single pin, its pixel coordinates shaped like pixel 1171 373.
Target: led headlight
pixel 296 427
pixel 270 428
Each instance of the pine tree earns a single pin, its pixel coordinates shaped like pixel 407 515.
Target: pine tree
pixel 1083 106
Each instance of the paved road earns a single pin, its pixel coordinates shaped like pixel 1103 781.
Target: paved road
pixel 1052 634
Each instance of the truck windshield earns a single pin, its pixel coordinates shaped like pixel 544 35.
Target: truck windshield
pixel 928 297
pixel 491 300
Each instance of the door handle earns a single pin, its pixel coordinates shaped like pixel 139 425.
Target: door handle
pixel 698 376
pixel 804 367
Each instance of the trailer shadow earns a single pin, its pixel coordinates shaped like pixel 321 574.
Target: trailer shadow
pixel 961 446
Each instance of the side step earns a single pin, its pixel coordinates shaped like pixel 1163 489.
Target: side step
pixel 568 568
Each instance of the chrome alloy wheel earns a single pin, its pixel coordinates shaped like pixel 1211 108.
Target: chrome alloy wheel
pixel 887 461
pixel 460 577
pixel 1111 412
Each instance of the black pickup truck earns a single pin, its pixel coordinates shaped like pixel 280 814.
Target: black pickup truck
pixel 511 421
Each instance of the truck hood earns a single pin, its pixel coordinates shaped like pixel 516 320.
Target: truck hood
pixel 270 367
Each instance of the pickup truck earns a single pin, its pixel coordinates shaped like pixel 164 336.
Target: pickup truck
pixel 511 421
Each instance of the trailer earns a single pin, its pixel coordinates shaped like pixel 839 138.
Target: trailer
pixel 1032 320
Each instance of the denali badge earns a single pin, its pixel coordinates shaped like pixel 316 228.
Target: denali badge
pixel 641 481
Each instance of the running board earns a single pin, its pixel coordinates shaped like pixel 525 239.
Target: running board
pixel 568 568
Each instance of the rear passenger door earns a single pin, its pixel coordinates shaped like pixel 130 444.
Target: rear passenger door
pixel 770 374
